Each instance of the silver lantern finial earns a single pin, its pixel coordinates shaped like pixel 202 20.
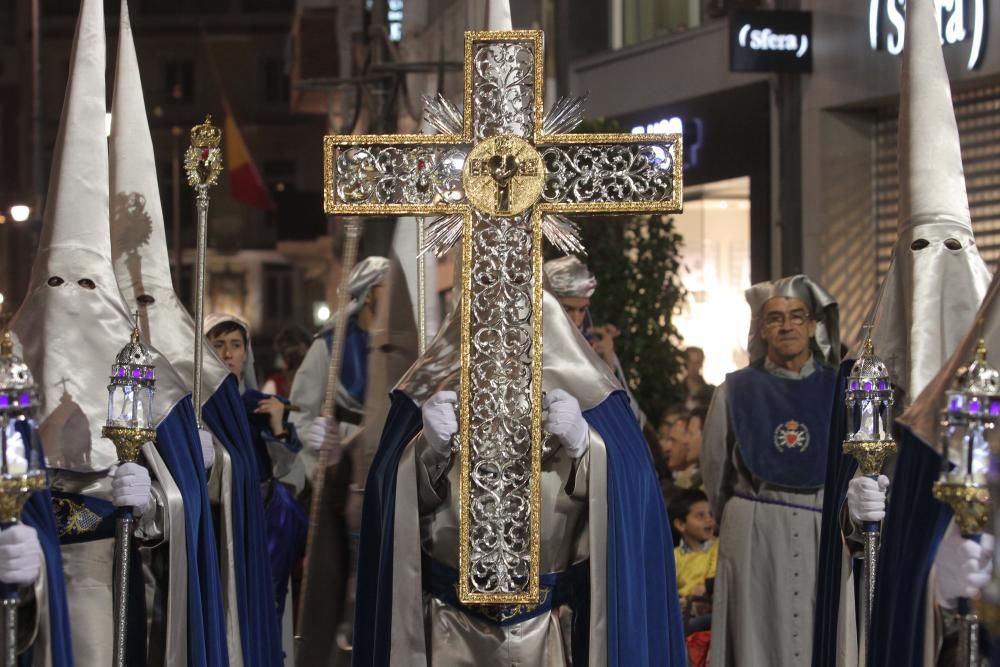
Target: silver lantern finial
pixel 21 472
pixel 869 401
pixel 969 431
pixel 130 399
pixel 969 425
pixel 129 426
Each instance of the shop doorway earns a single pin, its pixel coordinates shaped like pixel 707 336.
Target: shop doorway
pixel 715 259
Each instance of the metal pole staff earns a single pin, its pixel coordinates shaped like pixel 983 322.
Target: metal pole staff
pixel 421 289
pixel 128 436
pixel 16 487
pixel 124 529
pixel 327 454
pixel 869 388
pixel 203 163
pixel 11 599
pixel 963 487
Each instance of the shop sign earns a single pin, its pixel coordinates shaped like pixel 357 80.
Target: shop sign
pixel 770 41
pixel 959 22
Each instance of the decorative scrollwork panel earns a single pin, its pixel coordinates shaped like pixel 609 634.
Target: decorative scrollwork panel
pixel 608 174
pixel 415 175
pixel 500 408
pixel 503 89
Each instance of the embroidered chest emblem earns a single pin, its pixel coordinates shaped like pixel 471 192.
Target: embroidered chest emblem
pixel 790 436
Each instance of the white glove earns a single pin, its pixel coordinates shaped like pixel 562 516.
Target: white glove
pixel 866 498
pixel 319 433
pixel 131 487
pixel 20 555
pixel 207 448
pixel 440 421
pixel 565 421
pixel 963 567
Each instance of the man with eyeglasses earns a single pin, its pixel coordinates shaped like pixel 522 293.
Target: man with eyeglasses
pixel 763 459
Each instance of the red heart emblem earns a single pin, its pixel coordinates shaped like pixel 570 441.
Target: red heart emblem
pixel 791 438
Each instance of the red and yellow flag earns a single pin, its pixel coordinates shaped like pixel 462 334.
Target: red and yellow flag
pixel 245 183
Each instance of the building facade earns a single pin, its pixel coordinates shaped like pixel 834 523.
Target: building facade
pixel 812 156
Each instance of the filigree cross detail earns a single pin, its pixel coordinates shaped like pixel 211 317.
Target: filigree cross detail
pixel 498 176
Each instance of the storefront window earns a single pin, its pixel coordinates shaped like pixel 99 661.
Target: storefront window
pixel 715 226
pixel 646 19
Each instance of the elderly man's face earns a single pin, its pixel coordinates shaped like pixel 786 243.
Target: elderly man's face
pixel 786 327
pixel 576 308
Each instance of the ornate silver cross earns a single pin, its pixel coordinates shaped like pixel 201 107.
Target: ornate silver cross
pixel 498 176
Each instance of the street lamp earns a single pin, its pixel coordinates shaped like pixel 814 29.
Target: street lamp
pixel 20 212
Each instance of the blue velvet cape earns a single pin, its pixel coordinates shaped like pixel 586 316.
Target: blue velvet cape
pixel 260 637
pixel 840 469
pixel 914 525
pixel 285 520
pixel 38 514
pixel 179 446
pixel 644 619
pixel 354 362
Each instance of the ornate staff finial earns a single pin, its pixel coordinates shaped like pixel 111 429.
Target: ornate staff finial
pixel 203 163
pixel 203 159
pixel 870 401
pixel 869 347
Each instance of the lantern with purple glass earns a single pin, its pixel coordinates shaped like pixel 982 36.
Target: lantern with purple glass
pixel 967 436
pixel 21 471
pixel 869 401
pixel 129 426
pixel 988 605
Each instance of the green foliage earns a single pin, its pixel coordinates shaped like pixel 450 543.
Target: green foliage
pixel 637 262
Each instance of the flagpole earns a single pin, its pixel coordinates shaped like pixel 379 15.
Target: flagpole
pixel 203 163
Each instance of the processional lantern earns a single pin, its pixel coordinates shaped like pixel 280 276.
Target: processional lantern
pixel 130 400
pixel 968 436
pixel 129 426
pixel 988 605
pixel 21 471
pixel 869 402
pixel 969 428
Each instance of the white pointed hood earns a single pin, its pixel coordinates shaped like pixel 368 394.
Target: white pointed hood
pixel 138 236
pixel 73 321
pixel 924 414
pixel 937 278
pixel 498 15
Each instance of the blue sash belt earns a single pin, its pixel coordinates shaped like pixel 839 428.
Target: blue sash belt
pixel 556 589
pixel 779 503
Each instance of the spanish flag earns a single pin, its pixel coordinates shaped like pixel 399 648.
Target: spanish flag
pixel 245 183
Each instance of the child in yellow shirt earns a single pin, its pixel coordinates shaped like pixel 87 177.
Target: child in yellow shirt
pixel 696 555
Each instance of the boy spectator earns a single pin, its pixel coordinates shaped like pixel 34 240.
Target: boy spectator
pixel 695 556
